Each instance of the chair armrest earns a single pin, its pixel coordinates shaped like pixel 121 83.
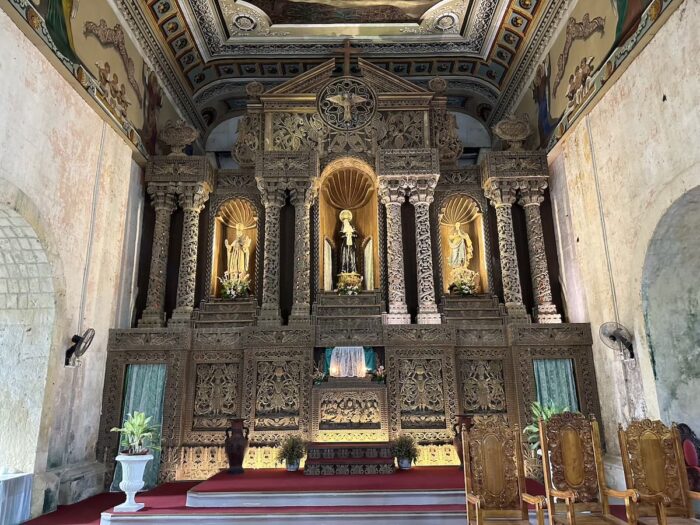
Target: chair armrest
pixel 622 494
pixel 655 499
pixel 694 495
pixel 534 500
pixel 474 499
pixel 567 495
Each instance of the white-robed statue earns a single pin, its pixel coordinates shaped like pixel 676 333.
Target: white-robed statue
pixel 238 253
pixel 461 249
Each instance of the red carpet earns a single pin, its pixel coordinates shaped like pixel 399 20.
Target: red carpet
pixel 270 480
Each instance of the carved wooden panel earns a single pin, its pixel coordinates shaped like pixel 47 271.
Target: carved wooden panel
pixel 277 385
pixel 483 386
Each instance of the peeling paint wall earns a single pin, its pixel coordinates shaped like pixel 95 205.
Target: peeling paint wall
pixel 614 175
pixel 72 179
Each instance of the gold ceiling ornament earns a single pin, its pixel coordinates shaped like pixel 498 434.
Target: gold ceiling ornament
pixel 238 211
pixel 460 209
pixel 348 188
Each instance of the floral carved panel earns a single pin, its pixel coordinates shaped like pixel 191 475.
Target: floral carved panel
pixel 216 395
pixel 483 386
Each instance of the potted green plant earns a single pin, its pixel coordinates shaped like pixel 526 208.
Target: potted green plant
pixel 544 412
pixel 138 438
pixel 405 451
pixel 293 449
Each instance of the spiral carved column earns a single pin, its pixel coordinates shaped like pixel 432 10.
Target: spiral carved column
pixel 302 197
pixel 392 197
pixel 531 196
pixel 502 197
pixel 191 198
pixel 421 196
pixel 273 199
pixel 163 200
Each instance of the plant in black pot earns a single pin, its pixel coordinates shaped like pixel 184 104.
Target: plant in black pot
pixel 405 451
pixel 291 452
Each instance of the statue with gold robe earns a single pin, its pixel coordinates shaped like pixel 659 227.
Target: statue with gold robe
pixel 238 253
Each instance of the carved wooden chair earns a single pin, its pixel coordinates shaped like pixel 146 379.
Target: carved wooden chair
pixel 652 457
pixel 494 474
pixel 574 473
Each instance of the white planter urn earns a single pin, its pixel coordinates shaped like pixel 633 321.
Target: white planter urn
pixel 133 468
pixel 405 463
pixel 293 466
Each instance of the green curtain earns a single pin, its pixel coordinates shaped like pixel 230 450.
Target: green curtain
pixel 555 383
pixel 143 392
pixel 370 359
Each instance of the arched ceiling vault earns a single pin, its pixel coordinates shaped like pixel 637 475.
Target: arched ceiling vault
pixel 206 51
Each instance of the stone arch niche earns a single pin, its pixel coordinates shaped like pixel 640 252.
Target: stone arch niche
pixel 671 306
pixel 463 210
pixel 235 220
pixel 27 315
pixel 348 184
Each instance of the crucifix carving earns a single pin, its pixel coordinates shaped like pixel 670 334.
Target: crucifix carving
pixel 347 51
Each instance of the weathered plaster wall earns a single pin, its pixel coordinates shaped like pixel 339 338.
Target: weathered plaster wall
pixel 68 175
pixel 614 175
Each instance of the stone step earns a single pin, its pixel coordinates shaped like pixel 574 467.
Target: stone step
pixel 224 316
pixel 230 323
pixel 357 451
pixel 349 467
pixel 351 309
pixel 334 299
pixel 228 306
pixel 468 313
pixel 465 322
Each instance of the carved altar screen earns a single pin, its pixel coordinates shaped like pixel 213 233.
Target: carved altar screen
pixel 348 184
pixel 236 225
pixel 462 241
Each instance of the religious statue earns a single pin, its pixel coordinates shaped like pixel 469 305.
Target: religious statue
pixel 348 234
pixel 238 253
pixel 461 249
pixel 464 280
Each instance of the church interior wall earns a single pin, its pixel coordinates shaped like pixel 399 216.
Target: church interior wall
pixel 610 186
pixel 61 159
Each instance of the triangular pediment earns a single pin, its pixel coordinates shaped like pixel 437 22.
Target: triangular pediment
pixel 380 80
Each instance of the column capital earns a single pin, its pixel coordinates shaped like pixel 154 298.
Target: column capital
pixel 303 192
pixel 192 196
pixel 163 196
pixel 272 192
pixel 392 190
pixel 421 189
pixel 531 192
pixel 501 192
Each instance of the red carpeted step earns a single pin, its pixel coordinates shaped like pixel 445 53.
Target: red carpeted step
pixel 350 461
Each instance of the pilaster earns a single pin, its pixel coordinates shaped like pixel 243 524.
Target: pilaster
pixel 393 194
pixel 531 195
pixel 191 197
pixel 421 193
pixel 163 201
pixel 302 197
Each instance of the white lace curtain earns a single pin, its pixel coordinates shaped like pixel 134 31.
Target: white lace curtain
pixel 348 361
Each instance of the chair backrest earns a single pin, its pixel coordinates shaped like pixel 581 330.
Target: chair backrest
pixel 494 463
pixel 653 461
pixel 572 444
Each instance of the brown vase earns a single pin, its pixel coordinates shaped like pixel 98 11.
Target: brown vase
pixel 236 445
pixel 463 421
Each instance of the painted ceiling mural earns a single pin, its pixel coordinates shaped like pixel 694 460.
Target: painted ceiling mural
pixel 195 57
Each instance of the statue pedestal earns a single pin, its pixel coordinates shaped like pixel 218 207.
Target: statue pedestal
pixel 396 318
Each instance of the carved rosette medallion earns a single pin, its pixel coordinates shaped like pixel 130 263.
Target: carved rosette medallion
pixel 347 104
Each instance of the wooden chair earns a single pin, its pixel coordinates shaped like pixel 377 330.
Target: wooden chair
pixel 574 473
pixel 494 474
pixel 652 457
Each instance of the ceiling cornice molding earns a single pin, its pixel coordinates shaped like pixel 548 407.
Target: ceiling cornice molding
pixel 156 56
pixel 539 44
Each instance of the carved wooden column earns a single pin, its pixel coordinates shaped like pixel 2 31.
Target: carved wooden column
pixel 191 198
pixel 393 195
pixel 421 196
pixel 502 196
pixel 531 196
pixel 302 197
pixel 273 199
pixel 163 200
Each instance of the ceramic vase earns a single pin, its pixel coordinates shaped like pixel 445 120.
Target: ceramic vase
pixel 405 463
pixel 293 466
pixel 133 468
pixel 236 444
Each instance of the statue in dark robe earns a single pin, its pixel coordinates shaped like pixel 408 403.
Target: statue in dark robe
pixel 348 244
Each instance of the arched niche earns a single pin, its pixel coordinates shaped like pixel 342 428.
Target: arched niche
pixel 671 302
pixel 236 220
pixel 348 184
pixel 465 211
